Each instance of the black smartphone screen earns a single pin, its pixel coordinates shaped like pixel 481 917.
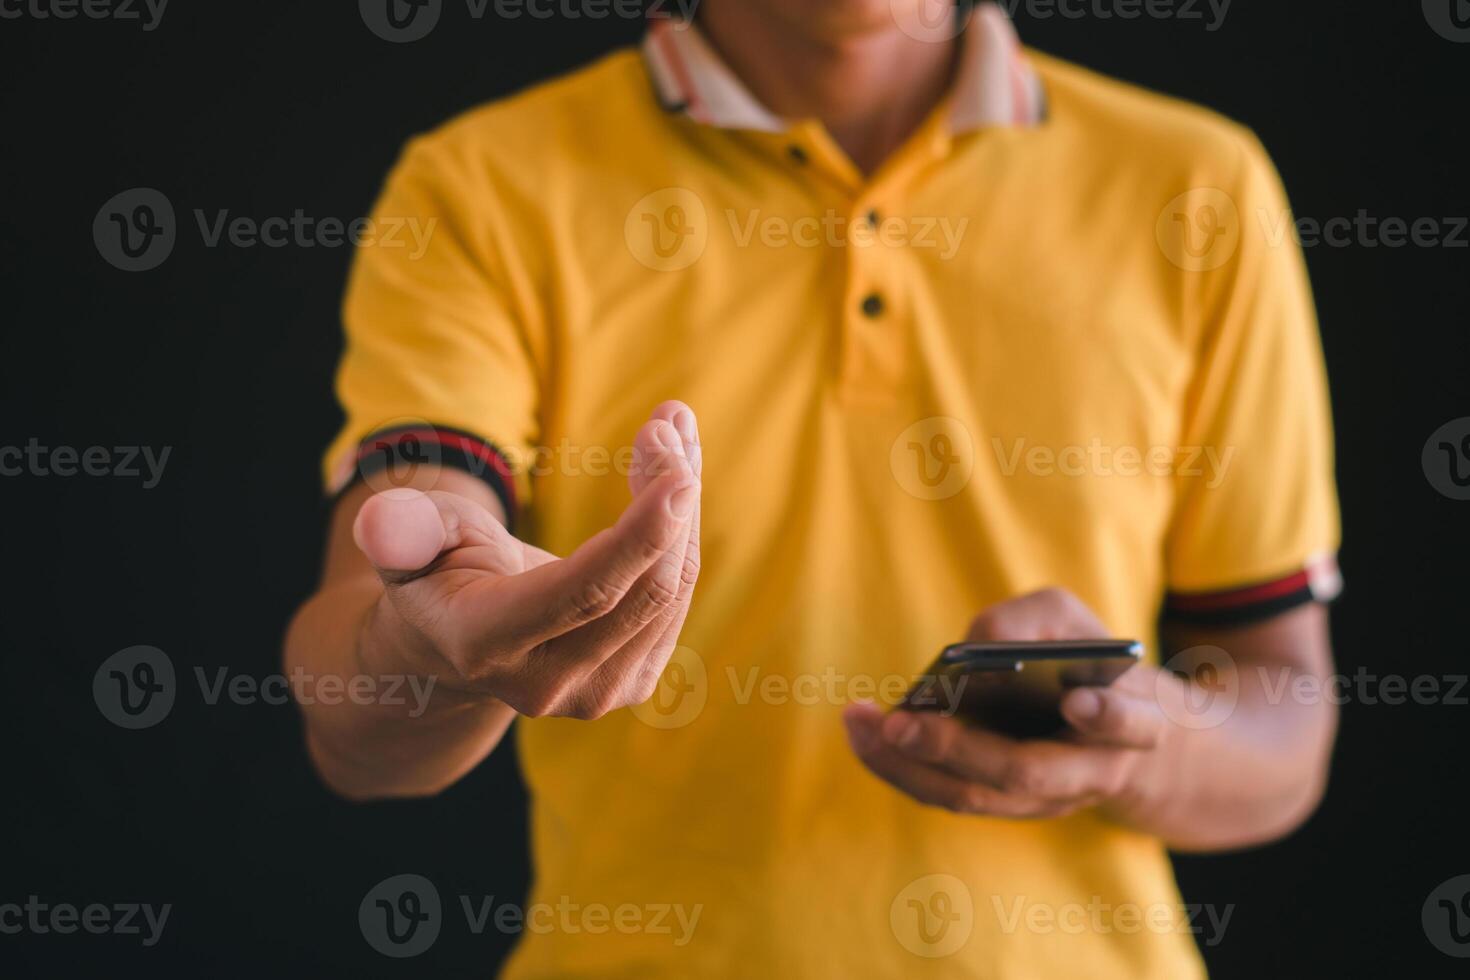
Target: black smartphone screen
pixel 1016 688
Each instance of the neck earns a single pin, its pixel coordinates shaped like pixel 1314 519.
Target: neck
pixel 870 89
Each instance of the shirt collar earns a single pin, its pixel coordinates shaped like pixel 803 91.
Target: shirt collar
pixel 994 85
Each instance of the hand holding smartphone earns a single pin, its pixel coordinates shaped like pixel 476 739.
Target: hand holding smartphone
pixel 1016 688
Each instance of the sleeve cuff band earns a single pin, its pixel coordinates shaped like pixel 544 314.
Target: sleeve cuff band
pixel 1318 581
pixel 392 457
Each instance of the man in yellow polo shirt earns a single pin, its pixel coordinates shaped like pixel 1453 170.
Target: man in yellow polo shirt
pixel 889 333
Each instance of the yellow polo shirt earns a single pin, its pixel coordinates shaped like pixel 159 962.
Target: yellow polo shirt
pixel 1058 339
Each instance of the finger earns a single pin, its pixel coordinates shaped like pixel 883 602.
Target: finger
pixel 683 419
pixel 555 598
pixel 667 627
pixel 1049 614
pixel 404 531
pixel 623 647
pixel 633 671
pixel 1040 769
pixel 1107 716
pixel 928 784
pixel 654 449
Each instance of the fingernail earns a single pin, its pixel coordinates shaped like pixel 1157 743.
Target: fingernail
pixel 668 438
pixel 1085 704
pixel 684 422
pixel 681 503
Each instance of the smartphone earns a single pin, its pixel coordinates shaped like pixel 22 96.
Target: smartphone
pixel 1016 688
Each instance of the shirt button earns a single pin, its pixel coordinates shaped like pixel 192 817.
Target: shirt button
pixel 872 218
pixel 796 153
pixel 872 306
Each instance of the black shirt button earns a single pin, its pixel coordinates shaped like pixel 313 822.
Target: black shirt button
pixel 872 306
pixel 872 218
pixel 796 153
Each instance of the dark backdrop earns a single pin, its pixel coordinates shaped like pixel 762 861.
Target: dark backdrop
pixel 226 354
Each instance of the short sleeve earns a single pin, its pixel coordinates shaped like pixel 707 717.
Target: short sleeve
pixel 438 366
pixel 1255 529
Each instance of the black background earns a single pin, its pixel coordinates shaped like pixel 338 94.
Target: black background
pixel 226 355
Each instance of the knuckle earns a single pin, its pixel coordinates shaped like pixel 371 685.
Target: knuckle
pixel 1021 776
pixel 534 705
pixel 645 684
pixel 586 710
pixel 658 593
pixel 967 799
pixel 542 700
pixel 592 601
pixel 689 571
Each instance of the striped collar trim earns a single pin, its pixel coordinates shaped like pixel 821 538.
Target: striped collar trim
pixel 995 84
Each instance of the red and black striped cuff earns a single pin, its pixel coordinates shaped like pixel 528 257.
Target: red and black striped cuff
pixel 1318 581
pixel 392 457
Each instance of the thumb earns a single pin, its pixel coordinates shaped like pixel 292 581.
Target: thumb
pixel 400 531
pixel 403 531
